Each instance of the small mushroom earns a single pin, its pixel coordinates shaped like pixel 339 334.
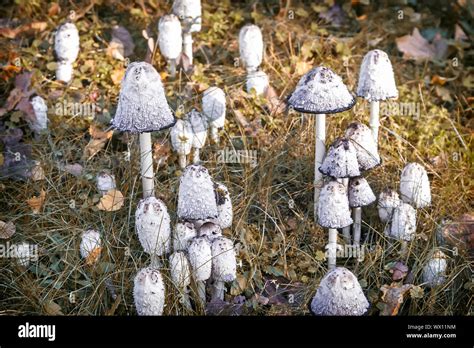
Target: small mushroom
pixel 360 195
pixel 251 47
pixel 339 293
pixel 199 128
pixel 224 206
pixel 214 108
pixel 388 201
pixel 170 40
pixel 105 182
pixel 224 265
pixel 149 292
pixel 40 110
pixel 181 275
pixel 403 225
pixel 366 148
pixel 257 81
pixel 210 230
pixel 200 258
pixel 189 12
pixel 90 246
pixel 434 272
pixel 341 160
pixel 415 185
pixel 182 140
pixel 184 232
pixel 66 46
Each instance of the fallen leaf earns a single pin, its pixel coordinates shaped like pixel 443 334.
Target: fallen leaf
pixel 392 298
pixel 415 46
pixel 93 256
pixel 54 9
pixel 275 104
pixel 161 153
pixel 438 80
pixel 11 33
pixel 97 143
pixel 221 307
pixel 113 200
pixel 36 202
pixel 74 169
pixel 399 271
pixel 7 229
pixel 121 45
pixel 52 308
pixel 37 172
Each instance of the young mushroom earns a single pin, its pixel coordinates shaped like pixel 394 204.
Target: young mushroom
pixel 66 46
pixel 251 47
pixel 388 201
pixel 434 272
pixel 214 107
pixel 320 92
pixel 366 148
pixel 199 129
pixel 170 40
pixel 224 206
pixel 184 232
pixel 224 265
pixel 90 246
pixel 210 230
pixel 200 258
pixel 143 108
pixel 360 195
pixel 181 276
pixel 403 225
pixel 415 185
pixel 189 12
pixel 339 293
pixel 149 292
pixel 182 140
pixel 257 81
pixel 105 182
pixel 40 110
pixel 376 83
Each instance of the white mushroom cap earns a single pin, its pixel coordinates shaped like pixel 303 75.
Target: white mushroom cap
pixel 333 206
pixel 224 206
pixel 321 91
pixel 105 182
pixel 434 272
pixel 258 81
pixel 184 232
pixel 25 253
pixel 196 196
pixel 189 11
pixel 149 292
pixel 41 114
pixel 170 37
pixel 66 43
pixel 180 270
pixel 388 201
pixel 360 193
pixel 182 137
pixel 365 145
pixel 403 224
pixel 224 264
pixel 251 46
pixel 341 160
pixel 199 128
pixel 376 80
pixel 64 71
pixel 200 258
pixel 152 223
pixel 89 242
pixel 339 293
pixel 213 104
pixel 210 230
pixel 415 185
pixel 142 105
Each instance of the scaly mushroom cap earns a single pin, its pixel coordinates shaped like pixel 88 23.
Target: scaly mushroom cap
pixel 64 71
pixel 210 230
pixel 189 11
pixel 224 265
pixel 213 104
pixel 365 145
pixel 142 105
pixel 415 185
pixel 89 242
pixel 339 293
pixel 199 128
pixel 184 232
pixel 149 292
pixel 434 272
pixel 341 160
pixel 257 81
pixel 105 182
pixel 66 43
pixel 360 193
pixel 376 80
pixel 333 206
pixel 200 258
pixel 224 206
pixel 25 253
pixel 251 46
pixel 152 223
pixel 321 91
pixel 196 196
pixel 388 201
pixel 41 114
pixel 182 137
pixel 403 224
pixel 180 270
pixel 170 37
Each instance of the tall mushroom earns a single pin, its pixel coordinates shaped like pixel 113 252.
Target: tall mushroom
pixel 360 195
pixel 66 46
pixel 376 83
pixel 149 292
pixel 214 107
pixel 181 275
pixel 189 12
pixel 199 128
pixel 170 40
pixel 251 47
pixel 415 186
pixel 143 108
pixel 200 258
pixel 224 265
pixel 320 92
pixel 182 140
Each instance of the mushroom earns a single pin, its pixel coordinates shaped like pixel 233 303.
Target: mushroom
pixel 142 108
pixel 66 46
pixel 210 230
pixel 25 253
pixel 403 224
pixel 257 81
pixel 366 148
pixel 213 107
pixel 339 293
pixel 189 12
pixel 224 265
pixel 360 195
pixel 388 201
pixel 320 92
pixel 251 47
pixel 149 292
pixel 200 258
pixel 376 83
pixel 196 196
pixel 184 232
pixel 224 206
pixel 90 246
pixel 181 275
pixel 170 40
pixel 40 110
pixel 341 160
pixel 199 128
pixel 333 213
pixel 64 71
pixel 105 182
pixel 152 223
pixel 415 185
pixel 434 272
pixel 182 140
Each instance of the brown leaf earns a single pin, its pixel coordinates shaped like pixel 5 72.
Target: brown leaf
pixel 11 33
pixel 275 104
pixel 52 308
pixel 415 46
pixel 97 143
pixel 392 297
pixel 7 229
pixel 54 9
pixel 117 75
pixel 74 169
pixel 36 202
pixel 93 256
pixel 113 200
pixel 121 45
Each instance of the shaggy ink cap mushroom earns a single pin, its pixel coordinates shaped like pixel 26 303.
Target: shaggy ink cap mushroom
pixel 251 46
pixel 199 128
pixel 360 193
pixel 224 265
pixel 142 105
pixel 341 160
pixel 388 201
pixel 184 232
pixel 170 36
pixel 434 272
pixel 403 223
pixel 200 258
pixel 213 104
pixel 182 137
pixel 180 269
pixel 66 43
pixel 189 11
pixel 339 293
pixel 149 292
pixel 40 110
pixel 210 230
pixel 376 79
pixel 321 91
pixel 365 145
pixel 224 206
pixel 333 206
pixel 90 240
pixel 415 185
pixel 257 81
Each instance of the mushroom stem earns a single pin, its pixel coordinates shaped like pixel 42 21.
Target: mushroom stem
pixel 155 261
pixel 374 119
pixel 188 46
pixel 320 148
pixel 146 160
pixel 201 289
pixel 196 159
pixel 172 64
pixel 332 248
pixel 185 299
pixel 346 231
pixel 356 228
pixel 218 290
pixel 182 161
pixel 215 134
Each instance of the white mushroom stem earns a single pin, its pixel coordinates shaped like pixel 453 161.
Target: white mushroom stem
pixel 215 134
pixel 146 160
pixel 346 231
pixel 320 148
pixel 188 46
pixel 185 299
pixel 196 159
pixel 218 289
pixel 332 248
pixel 155 261
pixel 356 229
pixel 374 119
pixel 182 161
pixel 201 289
pixel 172 64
